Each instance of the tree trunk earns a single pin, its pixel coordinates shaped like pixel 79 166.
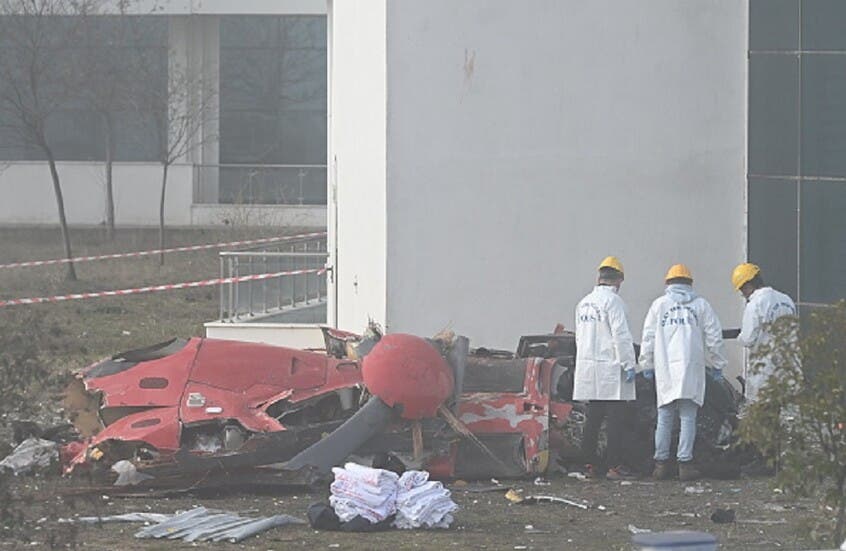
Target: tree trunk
pixel 162 213
pixel 110 200
pixel 841 510
pixel 60 205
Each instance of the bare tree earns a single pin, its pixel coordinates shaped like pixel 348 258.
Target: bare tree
pixel 113 47
pixel 36 78
pixel 181 112
pixel 106 89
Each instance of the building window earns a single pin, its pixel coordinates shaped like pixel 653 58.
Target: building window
pixel 773 231
pixel 120 48
pixel 273 97
pixel 823 235
pixel 797 145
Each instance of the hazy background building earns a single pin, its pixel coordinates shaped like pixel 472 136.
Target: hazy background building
pixel 263 62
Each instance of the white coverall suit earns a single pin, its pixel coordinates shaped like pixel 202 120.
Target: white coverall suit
pixel 604 352
pixel 764 306
pixel 681 335
pixel 604 348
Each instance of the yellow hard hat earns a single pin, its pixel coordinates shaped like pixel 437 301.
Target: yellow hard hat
pixel 678 270
pixel 611 262
pixel 743 274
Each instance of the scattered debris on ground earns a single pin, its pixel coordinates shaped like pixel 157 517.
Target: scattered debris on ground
pixel 481 489
pixel 677 539
pixel 31 454
pixel 128 474
pixel 201 524
pixel 723 516
pixel 762 521
pixel 515 497
pixel 125 517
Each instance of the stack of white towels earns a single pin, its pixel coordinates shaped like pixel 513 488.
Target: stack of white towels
pixel 376 494
pixel 359 490
pixel 422 503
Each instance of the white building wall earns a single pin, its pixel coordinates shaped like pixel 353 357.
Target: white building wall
pixel 528 140
pixel 28 193
pixel 296 335
pixel 194 43
pixel 357 113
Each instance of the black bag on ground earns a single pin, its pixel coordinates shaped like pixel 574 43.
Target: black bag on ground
pixel 321 516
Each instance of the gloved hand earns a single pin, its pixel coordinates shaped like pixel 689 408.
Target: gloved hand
pixel 630 374
pixel 649 374
pixel 718 375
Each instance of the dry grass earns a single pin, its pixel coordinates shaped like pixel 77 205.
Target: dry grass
pixel 91 329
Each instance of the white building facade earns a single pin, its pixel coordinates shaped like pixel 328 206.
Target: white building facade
pixel 485 156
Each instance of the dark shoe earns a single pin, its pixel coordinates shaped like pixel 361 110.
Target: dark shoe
pixel 620 472
pixel 688 472
pixel 663 470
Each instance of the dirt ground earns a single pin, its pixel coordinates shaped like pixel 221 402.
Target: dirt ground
pixel 73 334
pixel 765 519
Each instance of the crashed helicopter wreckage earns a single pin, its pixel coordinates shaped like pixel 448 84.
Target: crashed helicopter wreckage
pixel 211 413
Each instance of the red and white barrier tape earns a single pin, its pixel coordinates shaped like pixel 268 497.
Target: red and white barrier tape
pixel 29 263
pixel 156 288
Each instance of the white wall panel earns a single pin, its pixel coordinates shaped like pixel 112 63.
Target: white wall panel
pixel 528 140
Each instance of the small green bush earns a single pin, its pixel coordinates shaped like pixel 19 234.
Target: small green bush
pixel 799 420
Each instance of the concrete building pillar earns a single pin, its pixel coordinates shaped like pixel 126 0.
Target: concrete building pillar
pixel 194 44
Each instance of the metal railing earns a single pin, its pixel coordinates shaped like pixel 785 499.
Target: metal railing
pixel 247 300
pixel 243 184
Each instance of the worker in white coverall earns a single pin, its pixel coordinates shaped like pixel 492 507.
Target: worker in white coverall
pixel 605 369
pixel 681 335
pixel 764 305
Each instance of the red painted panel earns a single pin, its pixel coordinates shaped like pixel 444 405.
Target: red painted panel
pixel 406 370
pixel 221 404
pixel 127 389
pixel 158 427
pixel 239 366
pixel 526 413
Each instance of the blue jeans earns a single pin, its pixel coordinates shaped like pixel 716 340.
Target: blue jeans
pixel 687 410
